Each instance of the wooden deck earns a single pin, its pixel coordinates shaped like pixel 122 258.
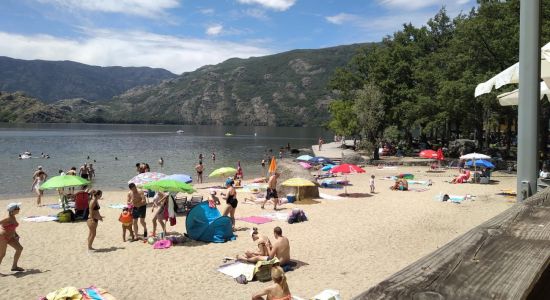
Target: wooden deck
pixel 506 257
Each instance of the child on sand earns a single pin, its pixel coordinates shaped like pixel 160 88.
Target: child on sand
pixel 126 219
pixel 371 183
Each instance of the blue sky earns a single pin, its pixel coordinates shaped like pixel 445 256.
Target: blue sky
pixel 182 35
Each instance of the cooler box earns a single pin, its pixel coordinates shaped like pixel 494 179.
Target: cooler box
pixel 291 198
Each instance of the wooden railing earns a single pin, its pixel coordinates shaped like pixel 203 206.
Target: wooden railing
pixel 506 257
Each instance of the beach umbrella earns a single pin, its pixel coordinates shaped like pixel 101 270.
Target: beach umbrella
pixel 304 157
pixel 440 154
pixel 512 98
pixel 427 154
pixel 305 165
pixel 180 177
pixel 321 160
pixel 169 185
pixel 297 182
pixel 223 172
pixel 474 156
pixel 327 167
pixel 272 165
pixel 63 181
pixel 146 177
pixel 346 168
pixel 480 163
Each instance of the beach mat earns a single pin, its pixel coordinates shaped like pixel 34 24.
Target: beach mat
pixel 58 206
pixel 40 219
pixel 237 268
pixel 256 219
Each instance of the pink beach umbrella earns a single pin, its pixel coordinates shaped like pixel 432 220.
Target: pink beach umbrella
pixel 146 177
pixel 346 169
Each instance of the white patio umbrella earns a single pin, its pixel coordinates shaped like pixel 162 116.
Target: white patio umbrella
pixel 475 156
pixel 511 74
pixel 512 98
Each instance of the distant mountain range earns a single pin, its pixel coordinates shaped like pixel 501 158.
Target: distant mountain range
pixel 50 81
pixel 285 89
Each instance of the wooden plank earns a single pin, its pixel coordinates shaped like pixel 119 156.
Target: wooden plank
pixel 503 258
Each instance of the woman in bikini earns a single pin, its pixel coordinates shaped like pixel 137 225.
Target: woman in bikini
pixel 8 236
pixel 278 290
pixel 263 243
pixel 231 200
pixel 94 217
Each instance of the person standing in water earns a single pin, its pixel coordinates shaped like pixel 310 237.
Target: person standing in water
pixel 161 163
pixel 199 168
pixel 213 156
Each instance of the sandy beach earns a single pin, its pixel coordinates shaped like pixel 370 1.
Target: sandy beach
pixel 348 244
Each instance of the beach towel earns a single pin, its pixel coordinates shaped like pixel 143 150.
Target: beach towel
pixel 280 216
pixel 256 220
pixel 162 244
pixel 330 197
pixel 117 205
pixel 422 189
pixel 59 206
pixel 40 219
pixel 327 295
pixel 95 293
pixel 237 268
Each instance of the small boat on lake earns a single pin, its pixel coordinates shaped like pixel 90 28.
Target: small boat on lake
pixel 228 134
pixel 180 131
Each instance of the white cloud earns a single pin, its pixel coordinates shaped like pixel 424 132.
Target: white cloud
pixel 127 48
pixel 214 29
pixel 207 11
pixel 256 13
pixel 418 4
pixel 144 8
pixel 342 18
pixel 280 5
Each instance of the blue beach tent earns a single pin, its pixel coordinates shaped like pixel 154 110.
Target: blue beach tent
pixel 206 224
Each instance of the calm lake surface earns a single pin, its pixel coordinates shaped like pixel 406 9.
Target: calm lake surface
pixel 70 144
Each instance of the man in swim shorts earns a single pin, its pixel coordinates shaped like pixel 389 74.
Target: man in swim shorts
pixel 83 172
pixel 280 249
pixel 272 190
pixel 139 210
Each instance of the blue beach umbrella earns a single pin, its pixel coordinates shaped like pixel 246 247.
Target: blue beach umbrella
pixel 304 157
pixel 180 177
pixel 327 167
pixel 321 160
pixel 480 163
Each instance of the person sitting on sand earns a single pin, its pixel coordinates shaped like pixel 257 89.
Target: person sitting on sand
pixel 401 184
pixel 463 177
pixel 279 290
pixel 262 242
pixel 214 199
pixel 280 249
pixel 8 236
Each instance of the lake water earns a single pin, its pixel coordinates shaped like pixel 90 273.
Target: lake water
pixel 70 144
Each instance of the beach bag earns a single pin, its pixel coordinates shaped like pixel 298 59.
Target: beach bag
pixel 66 216
pixel 262 271
pixel 296 216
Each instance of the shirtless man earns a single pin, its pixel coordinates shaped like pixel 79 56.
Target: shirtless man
pixel 272 190
pixel 137 200
pixel 280 249
pixel 91 171
pixel 263 244
pixel 83 172
pixel 199 168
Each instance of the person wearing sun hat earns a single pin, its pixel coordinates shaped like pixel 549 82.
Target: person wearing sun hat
pixel 8 236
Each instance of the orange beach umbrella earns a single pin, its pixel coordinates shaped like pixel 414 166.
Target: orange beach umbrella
pixel 272 165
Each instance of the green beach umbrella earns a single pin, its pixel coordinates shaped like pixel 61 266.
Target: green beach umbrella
pixel 62 181
pixel 169 185
pixel 226 171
